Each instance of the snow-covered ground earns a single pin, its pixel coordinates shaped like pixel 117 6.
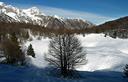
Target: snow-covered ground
pixel 33 74
pixel 40 48
pixel 106 58
pixel 103 53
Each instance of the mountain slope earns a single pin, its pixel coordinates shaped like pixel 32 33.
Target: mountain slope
pixel 35 16
pixel 115 28
pixel 4 17
pixel 118 23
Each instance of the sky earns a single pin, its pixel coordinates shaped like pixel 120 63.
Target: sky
pixel 96 11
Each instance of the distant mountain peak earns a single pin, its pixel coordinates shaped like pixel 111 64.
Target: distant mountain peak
pixel 35 16
pixel 33 11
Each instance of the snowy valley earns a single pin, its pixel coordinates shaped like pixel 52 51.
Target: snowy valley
pixel 106 59
pixel 103 53
pixel 36 47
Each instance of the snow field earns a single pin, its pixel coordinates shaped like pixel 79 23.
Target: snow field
pixel 103 53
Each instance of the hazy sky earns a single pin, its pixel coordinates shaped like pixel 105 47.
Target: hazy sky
pixel 96 11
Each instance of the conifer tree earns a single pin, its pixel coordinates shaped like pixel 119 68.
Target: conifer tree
pixel 30 51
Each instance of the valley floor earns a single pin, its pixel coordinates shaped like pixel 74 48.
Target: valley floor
pixel 103 53
pixel 106 58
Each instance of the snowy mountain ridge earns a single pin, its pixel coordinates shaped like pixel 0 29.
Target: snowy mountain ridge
pixel 35 16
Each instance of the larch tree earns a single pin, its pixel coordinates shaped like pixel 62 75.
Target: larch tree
pixel 13 52
pixel 65 53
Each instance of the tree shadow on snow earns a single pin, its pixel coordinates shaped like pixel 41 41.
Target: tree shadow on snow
pixel 9 73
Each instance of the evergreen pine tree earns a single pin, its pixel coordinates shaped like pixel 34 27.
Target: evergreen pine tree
pixel 30 51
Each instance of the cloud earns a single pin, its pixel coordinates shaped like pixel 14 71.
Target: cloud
pixel 94 18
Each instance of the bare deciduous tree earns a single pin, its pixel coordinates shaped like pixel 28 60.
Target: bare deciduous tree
pixel 65 52
pixel 13 52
